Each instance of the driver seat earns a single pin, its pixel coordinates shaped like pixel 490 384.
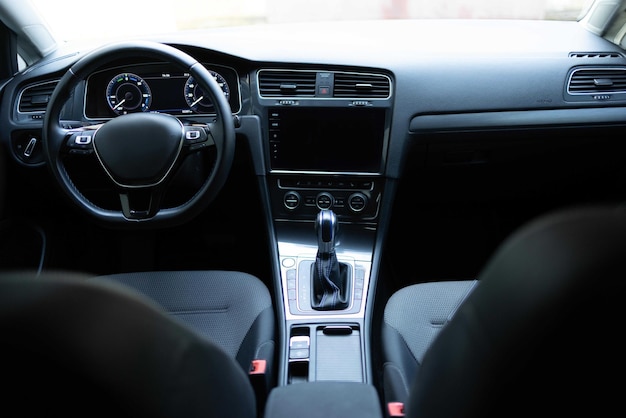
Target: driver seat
pixel 231 308
pixel 84 346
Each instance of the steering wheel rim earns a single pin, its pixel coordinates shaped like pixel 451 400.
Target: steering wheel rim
pixel 222 133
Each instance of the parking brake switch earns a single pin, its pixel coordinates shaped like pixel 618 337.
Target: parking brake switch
pixel 299 347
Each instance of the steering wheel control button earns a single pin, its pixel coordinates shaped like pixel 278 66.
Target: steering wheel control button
pixel 292 200
pixel 80 143
pixel 324 200
pixel 194 134
pixel 82 139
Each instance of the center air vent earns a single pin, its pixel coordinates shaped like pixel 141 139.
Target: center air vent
pixel 356 85
pixel 597 81
pixel 287 83
pixel 302 84
pixel 35 98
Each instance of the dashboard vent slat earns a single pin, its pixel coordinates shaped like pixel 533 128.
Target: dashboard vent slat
pixel 287 83
pixel 595 55
pixel 35 98
pixel 358 86
pixel 597 80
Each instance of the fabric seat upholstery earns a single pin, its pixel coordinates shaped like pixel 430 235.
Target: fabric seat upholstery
pixel 537 335
pixel 413 317
pixel 73 347
pixel 232 309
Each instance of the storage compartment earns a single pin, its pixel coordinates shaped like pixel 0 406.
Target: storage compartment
pixel 338 354
pixel 324 400
pixel 328 352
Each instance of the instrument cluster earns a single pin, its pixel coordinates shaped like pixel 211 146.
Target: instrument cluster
pixel 155 88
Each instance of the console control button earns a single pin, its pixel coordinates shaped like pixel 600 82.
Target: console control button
pixel 299 347
pixel 357 202
pixel 292 200
pixel 289 262
pixel 324 200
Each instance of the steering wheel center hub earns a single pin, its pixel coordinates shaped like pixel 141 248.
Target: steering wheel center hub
pixel 139 149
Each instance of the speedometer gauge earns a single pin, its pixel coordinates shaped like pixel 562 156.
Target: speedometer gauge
pixel 128 93
pixel 197 100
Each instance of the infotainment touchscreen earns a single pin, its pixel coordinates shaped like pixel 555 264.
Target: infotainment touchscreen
pixel 329 139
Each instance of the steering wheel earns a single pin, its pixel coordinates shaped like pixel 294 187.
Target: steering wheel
pixel 140 153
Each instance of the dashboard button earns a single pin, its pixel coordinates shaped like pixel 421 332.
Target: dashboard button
pixel 291 200
pixel 324 200
pixel 357 202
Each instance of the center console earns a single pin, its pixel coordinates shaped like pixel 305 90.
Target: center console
pixel 325 159
pixel 325 151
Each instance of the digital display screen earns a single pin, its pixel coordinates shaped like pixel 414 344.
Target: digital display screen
pixel 327 139
pixel 170 98
pixel 155 88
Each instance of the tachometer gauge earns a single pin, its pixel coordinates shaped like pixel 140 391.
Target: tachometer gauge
pixel 128 93
pixel 195 97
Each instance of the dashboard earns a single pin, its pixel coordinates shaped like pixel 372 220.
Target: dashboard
pixel 155 87
pixel 330 123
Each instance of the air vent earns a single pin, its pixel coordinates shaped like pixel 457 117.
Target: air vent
pixel 595 55
pixel 597 80
pixel 359 86
pixel 287 83
pixel 35 98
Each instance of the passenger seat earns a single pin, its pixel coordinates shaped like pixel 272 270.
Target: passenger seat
pixel 536 334
pixel 413 317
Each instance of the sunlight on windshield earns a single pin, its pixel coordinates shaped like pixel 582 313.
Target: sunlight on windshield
pixel 97 19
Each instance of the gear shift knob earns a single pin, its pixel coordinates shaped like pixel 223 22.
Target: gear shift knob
pixel 330 278
pixel 326 228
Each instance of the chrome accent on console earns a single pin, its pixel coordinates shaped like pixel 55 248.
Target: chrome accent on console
pixel 297 247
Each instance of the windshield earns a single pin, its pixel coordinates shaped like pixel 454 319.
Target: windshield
pixel 72 20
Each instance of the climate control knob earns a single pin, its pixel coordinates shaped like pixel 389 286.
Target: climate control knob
pixel 357 202
pixel 324 200
pixel 292 200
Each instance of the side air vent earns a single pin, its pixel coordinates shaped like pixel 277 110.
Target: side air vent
pixel 595 55
pixel 597 80
pixel 35 98
pixel 359 86
pixel 286 83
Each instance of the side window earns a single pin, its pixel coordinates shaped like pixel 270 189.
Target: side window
pixel 21 64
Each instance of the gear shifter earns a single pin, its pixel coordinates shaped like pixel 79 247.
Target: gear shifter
pixel 326 228
pixel 330 278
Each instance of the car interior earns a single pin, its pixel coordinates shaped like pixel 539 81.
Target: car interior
pixel 361 218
